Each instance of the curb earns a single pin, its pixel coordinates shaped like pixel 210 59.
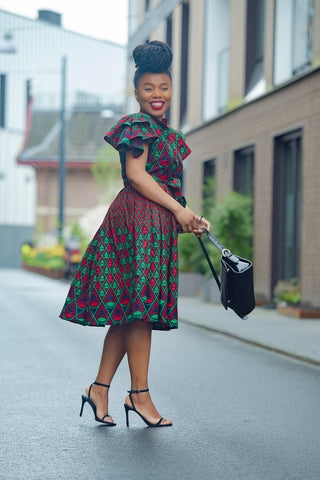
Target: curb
pixel 255 343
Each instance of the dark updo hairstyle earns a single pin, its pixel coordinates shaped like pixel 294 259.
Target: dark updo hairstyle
pixel 152 57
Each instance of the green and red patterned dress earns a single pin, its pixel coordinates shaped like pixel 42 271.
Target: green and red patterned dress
pixel 130 268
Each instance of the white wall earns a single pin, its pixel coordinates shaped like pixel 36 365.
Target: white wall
pixel 94 67
pixel 17 184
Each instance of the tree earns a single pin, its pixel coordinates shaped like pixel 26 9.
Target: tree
pixel 107 172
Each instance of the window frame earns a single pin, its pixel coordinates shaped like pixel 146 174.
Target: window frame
pixel 238 155
pixel 280 174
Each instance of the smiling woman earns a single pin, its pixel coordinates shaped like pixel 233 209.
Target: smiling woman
pixel 154 94
pixel 128 277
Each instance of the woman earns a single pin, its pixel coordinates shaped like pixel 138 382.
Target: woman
pixel 129 274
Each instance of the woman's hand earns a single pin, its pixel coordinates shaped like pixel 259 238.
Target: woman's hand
pixel 190 222
pixel 186 219
pixel 202 223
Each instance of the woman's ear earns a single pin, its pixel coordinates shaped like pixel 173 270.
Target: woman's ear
pixel 136 95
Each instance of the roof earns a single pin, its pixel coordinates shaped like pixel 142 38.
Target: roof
pixel 36 21
pixel 85 129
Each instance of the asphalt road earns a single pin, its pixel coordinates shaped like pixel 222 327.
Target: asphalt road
pixel 239 412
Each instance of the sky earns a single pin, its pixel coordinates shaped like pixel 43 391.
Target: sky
pixel 102 19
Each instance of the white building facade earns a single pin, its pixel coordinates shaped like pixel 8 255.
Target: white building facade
pixel 31 53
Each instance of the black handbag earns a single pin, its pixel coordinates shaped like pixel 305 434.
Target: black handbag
pixel 236 279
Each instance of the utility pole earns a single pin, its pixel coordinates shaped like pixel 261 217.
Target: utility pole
pixel 62 168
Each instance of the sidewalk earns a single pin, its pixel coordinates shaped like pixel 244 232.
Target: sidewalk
pixel 264 327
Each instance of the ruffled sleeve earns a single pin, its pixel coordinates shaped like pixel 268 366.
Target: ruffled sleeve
pixel 131 132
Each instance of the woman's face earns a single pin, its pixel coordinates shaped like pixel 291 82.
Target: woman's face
pixel 154 94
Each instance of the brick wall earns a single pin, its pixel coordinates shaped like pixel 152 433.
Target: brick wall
pixel 81 194
pixel 295 105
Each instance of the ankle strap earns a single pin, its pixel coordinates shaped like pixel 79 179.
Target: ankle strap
pixel 138 391
pixel 96 383
pixel 101 384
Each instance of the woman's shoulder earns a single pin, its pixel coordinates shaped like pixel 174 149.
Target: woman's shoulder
pixel 177 135
pixel 131 131
pixel 180 142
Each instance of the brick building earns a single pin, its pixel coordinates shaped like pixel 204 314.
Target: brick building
pixel 85 129
pixel 246 80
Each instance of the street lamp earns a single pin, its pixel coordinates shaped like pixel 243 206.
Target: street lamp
pixel 7 46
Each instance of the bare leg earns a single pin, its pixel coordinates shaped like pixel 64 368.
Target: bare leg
pixel 114 349
pixel 138 343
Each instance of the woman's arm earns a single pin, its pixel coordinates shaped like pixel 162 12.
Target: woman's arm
pixel 148 187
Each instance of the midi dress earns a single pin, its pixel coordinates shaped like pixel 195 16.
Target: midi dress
pixel 130 268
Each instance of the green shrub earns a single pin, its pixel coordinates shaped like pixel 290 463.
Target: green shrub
pixel 50 258
pixel 77 231
pixel 231 223
pixel 189 253
pixel 287 291
pixel 107 173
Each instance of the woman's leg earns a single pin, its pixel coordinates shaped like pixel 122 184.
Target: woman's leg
pixel 114 349
pixel 138 344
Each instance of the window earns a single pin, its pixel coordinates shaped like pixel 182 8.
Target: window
pixel 216 58
pixel 255 83
pixel 2 101
pixel 287 207
pixel 184 64
pixel 243 171
pixel 293 38
pixel 209 187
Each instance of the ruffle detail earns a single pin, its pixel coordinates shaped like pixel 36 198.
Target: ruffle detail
pixel 131 132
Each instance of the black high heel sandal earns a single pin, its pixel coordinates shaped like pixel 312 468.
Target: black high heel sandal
pixel 86 398
pixel 133 409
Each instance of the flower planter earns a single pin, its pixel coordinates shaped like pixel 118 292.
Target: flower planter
pixel 298 312
pixel 56 274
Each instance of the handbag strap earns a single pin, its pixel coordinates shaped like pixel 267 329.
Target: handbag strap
pixel 214 273
pixel 215 241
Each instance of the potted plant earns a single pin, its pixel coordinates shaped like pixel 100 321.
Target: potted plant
pixel 287 292
pixel 48 261
pixel 287 297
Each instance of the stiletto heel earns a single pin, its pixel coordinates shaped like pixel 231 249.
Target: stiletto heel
pixel 127 408
pixel 86 398
pixel 83 402
pixel 133 409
